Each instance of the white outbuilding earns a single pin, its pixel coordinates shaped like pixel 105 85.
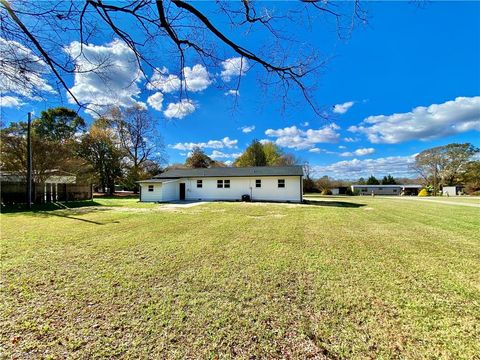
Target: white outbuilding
pixel 260 183
pixel 453 190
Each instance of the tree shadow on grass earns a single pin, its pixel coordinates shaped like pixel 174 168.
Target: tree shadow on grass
pixel 67 216
pixel 22 208
pixel 60 209
pixel 343 204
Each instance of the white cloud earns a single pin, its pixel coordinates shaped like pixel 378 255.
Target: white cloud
pixel 315 150
pixel 11 101
pixel 216 154
pixel 180 109
pixel 397 166
pixel 163 81
pixel 350 139
pixel 295 138
pixel 343 108
pixel 196 78
pixel 341 147
pixel 107 75
pixel 359 152
pixel 236 66
pixel 226 142
pixel 232 93
pixel 29 80
pixel 305 124
pixel 156 101
pixel 247 129
pixel 423 123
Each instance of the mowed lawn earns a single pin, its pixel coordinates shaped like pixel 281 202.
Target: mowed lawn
pixel 346 278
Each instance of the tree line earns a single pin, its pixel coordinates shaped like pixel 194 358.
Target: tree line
pixel 118 149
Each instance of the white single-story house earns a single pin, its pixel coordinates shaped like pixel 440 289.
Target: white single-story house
pixel 387 189
pixel 261 183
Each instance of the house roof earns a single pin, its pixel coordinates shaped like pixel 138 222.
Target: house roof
pixel 296 170
pixel 156 181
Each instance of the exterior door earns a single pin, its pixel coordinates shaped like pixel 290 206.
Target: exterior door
pixel 182 191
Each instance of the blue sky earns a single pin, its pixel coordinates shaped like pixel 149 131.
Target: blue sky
pixel 407 81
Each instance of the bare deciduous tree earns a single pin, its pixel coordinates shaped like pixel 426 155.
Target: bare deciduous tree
pixel 155 29
pixel 139 141
pixel 138 136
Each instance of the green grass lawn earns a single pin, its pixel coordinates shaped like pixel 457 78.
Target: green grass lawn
pixel 342 278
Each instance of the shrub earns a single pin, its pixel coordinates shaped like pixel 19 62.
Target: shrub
pixel 423 192
pixel 326 192
pixel 349 192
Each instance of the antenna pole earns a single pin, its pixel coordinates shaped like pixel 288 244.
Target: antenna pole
pixel 29 161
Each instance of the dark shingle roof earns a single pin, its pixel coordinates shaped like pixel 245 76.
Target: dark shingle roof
pixel 153 180
pixel 296 170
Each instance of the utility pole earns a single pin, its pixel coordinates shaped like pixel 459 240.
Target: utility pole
pixel 29 161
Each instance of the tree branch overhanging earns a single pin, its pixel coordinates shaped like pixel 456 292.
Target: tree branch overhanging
pixel 172 20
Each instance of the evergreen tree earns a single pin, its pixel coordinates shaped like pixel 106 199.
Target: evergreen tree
pixel 372 180
pixel 389 180
pixel 198 159
pixel 254 155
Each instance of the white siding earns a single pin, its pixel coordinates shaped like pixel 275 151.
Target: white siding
pixel 170 191
pixel 245 185
pixel 450 190
pixel 378 190
pixel 155 195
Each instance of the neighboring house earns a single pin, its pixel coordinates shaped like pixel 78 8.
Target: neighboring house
pixel 387 189
pixel 261 183
pixel 454 190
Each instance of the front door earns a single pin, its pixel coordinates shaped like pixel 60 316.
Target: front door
pixel 182 191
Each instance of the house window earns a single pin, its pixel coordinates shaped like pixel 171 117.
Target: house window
pixel 364 190
pixel 281 183
pixel 223 184
pixel 199 183
pixel 394 190
pixel 150 187
pixel 380 188
pixel 258 183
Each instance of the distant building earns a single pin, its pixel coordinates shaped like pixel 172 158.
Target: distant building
pixel 453 190
pixel 387 189
pixel 340 190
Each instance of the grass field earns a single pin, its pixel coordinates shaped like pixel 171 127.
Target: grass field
pixel 341 278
